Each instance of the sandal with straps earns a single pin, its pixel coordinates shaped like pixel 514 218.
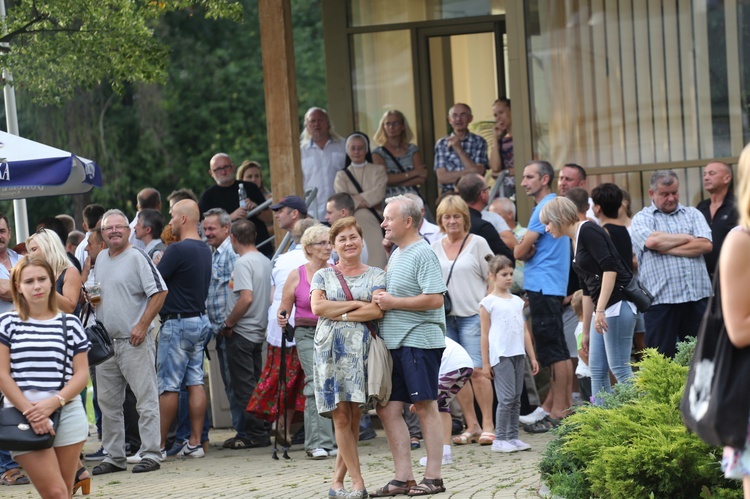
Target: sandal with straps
pixel 426 487
pixel 394 488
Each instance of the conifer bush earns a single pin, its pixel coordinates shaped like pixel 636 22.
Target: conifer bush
pixel 635 445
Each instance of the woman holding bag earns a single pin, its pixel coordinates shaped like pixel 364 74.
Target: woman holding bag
pixel 39 385
pixel 735 274
pixel 465 270
pixel 608 318
pixel 341 297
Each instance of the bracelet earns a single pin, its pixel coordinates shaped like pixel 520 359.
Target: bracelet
pixel 600 311
pixel 62 400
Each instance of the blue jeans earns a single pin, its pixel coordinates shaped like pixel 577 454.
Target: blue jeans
pixel 6 462
pixel 611 350
pixel 179 357
pixel 466 332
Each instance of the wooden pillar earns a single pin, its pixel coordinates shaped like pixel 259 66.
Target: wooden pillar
pixel 277 47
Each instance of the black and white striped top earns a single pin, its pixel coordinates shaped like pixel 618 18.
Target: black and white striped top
pixel 41 354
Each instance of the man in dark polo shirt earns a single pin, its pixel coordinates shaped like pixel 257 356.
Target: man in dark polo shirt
pixel 225 195
pixel 186 268
pixel 474 190
pixel 718 209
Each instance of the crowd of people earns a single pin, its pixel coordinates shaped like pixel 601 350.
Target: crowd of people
pixel 470 308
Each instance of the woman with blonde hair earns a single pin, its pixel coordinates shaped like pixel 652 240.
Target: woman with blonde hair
pixel 401 158
pixel 47 244
pixel 463 261
pixel 38 384
pixel 735 274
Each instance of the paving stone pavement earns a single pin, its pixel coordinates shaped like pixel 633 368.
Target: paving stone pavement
pixel 476 472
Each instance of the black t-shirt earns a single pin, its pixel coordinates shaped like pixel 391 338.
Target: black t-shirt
pixel 186 268
pixel 596 254
pixel 621 239
pixel 724 221
pixel 228 199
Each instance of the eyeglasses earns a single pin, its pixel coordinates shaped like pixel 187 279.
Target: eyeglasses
pixel 391 123
pixel 118 228
pixel 220 169
pixel 322 243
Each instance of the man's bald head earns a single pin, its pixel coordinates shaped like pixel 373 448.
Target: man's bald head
pixel 185 219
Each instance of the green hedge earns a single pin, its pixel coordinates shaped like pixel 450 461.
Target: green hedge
pixel 635 445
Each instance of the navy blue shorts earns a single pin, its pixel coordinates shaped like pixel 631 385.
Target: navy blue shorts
pixel 415 374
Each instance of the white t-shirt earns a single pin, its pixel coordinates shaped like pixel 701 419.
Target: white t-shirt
pixel 496 220
pixel 468 283
pixel 454 357
pixel 506 326
pixel 283 266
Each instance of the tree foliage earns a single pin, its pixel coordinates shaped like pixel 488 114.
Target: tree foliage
pixel 163 134
pixel 57 46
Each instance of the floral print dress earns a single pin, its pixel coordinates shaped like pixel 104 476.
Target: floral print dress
pixel 341 348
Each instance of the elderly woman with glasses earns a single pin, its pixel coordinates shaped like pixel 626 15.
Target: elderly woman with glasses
pixel 316 245
pixel 365 182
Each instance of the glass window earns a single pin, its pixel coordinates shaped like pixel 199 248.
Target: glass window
pixel 373 12
pixel 634 83
pixel 383 78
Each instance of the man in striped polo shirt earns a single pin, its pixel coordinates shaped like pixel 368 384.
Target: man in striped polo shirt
pixel 413 329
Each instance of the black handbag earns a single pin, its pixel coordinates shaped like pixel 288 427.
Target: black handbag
pixel 16 433
pixel 101 343
pixel 447 302
pixel 715 404
pixel 637 294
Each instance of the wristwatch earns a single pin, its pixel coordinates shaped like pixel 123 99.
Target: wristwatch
pixel 343 318
pixel 224 325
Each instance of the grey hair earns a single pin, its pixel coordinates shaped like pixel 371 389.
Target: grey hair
pixel 115 211
pixel 311 234
pixel 305 136
pixel 544 168
pixel 223 216
pixel 301 226
pixel 416 198
pixel 507 206
pixel 662 177
pixel 407 208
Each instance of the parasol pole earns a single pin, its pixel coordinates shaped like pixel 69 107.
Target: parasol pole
pixel 20 216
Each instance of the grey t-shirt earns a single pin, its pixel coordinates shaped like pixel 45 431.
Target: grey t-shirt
pixel 252 272
pixel 127 281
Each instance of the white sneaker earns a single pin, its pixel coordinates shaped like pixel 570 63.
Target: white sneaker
pixel 520 444
pixel 332 452
pixel 319 453
pixel 535 416
pixel 503 446
pixel 447 459
pixel 135 458
pixel 190 451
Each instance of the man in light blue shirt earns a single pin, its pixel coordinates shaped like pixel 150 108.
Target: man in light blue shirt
pixel 545 279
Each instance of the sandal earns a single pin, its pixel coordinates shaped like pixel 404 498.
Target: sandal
pixel 394 488
pixel 465 438
pixel 543 426
pixel 486 438
pixel 415 443
pixel 426 487
pixel 14 476
pixel 81 482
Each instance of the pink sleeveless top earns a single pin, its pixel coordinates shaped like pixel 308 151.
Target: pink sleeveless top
pixel 302 297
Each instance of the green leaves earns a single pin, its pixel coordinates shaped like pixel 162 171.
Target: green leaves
pixel 58 46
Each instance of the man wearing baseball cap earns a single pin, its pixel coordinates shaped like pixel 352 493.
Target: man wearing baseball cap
pixel 288 211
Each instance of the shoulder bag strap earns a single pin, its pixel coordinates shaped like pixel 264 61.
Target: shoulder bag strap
pixel 359 189
pixel 450 273
pixel 348 294
pixel 398 164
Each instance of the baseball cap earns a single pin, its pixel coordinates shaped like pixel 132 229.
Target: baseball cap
pixel 293 202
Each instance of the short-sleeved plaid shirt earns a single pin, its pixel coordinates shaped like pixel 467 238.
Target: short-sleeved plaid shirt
pixel 445 157
pixel 671 279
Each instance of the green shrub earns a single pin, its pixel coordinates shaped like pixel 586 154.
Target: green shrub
pixel 635 445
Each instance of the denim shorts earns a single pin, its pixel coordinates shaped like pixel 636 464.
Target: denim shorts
pixel 467 332
pixel 179 356
pixel 415 374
